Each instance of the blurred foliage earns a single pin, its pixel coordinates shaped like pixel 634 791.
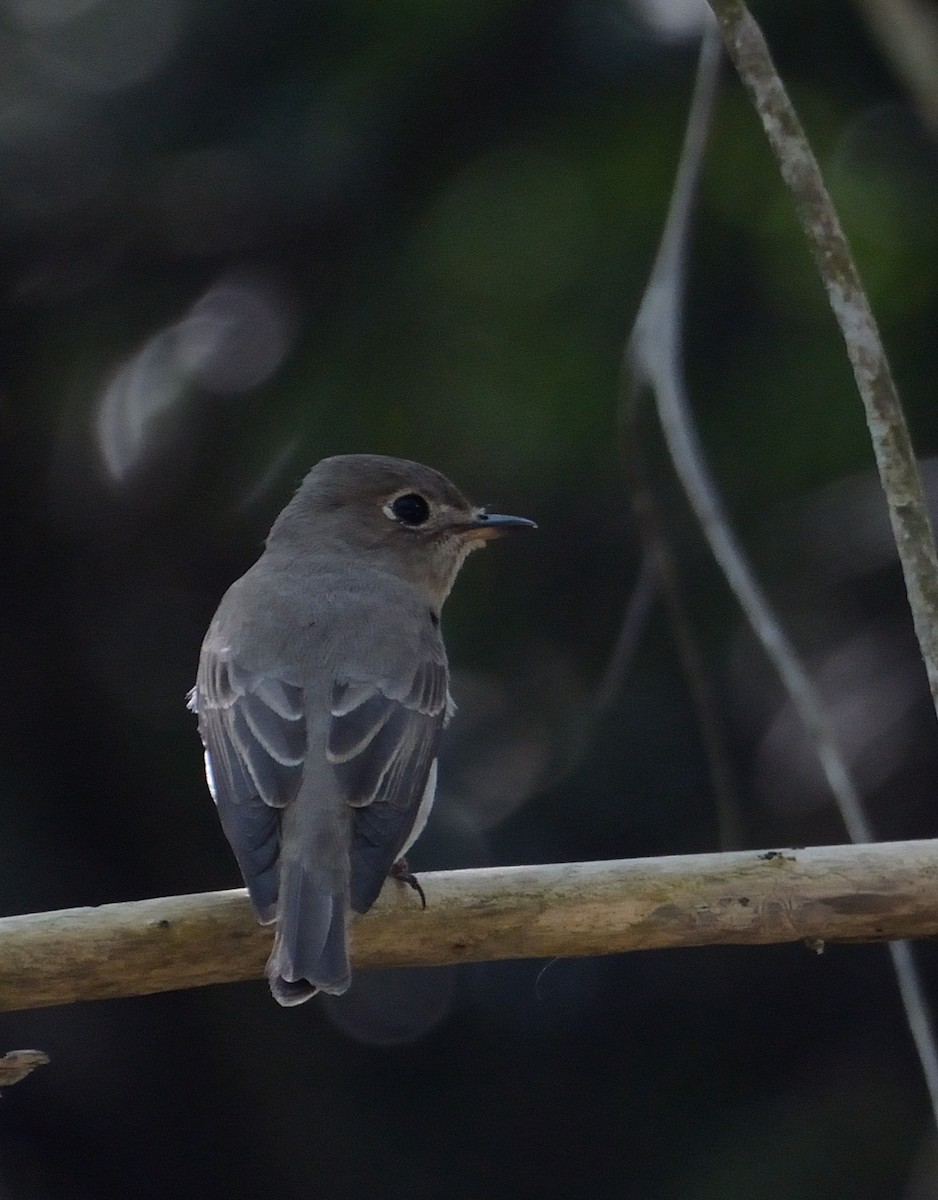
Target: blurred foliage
pixel 238 237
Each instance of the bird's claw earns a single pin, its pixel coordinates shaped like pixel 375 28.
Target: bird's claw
pixel 402 872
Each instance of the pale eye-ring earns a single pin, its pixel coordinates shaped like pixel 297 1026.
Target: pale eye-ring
pixel 409 509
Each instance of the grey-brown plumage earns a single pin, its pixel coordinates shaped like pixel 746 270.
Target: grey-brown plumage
pixel 322 691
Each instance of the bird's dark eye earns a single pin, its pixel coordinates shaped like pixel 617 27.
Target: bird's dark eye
pixel 411 509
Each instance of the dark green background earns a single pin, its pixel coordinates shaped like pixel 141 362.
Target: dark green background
pixel 433 223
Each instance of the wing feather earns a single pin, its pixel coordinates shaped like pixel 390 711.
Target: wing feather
pixel 254 735
pixel 382 744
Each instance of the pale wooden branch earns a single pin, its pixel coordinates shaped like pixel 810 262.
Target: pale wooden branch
pixel 833 893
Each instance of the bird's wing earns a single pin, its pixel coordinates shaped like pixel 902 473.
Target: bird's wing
pixel 382 745
pixel 254 735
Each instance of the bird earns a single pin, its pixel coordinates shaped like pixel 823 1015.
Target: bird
pixel 321 693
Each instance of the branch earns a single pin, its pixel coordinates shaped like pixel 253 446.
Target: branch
pixel 892 449
pixel 652 358
pixel 15 1065
pixel 820 894
pixel 892 446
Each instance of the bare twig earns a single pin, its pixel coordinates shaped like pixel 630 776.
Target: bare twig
pixel 654 354
pixel 661 561
pixel 15 1065
pixel 658 554
pixel 892 446
pixel 820 894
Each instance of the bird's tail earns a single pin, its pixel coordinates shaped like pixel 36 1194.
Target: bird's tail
pixel 310 951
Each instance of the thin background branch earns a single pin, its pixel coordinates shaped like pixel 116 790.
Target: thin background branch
pixel 654 356
pixel 892 446
pixel 658 552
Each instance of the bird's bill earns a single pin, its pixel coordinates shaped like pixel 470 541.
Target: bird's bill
pixel 486 525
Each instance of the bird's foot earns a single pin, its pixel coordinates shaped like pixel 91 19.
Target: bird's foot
pixel 402 872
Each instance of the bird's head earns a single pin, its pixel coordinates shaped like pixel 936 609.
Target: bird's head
pixel 406 518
